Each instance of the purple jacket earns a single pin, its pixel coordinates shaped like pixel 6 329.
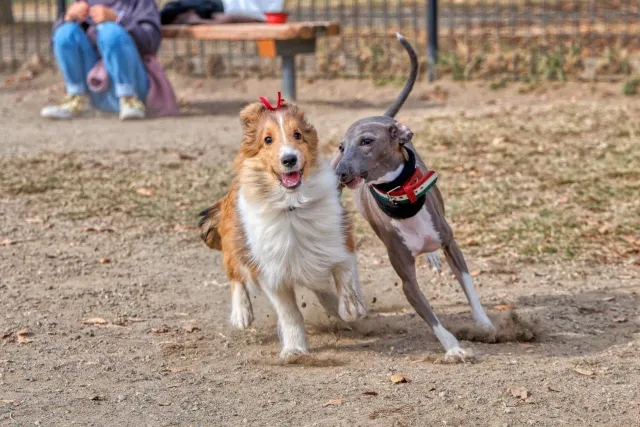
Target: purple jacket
pixel 139 17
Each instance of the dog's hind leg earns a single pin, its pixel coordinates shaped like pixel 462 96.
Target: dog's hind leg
pixel 404 264
pixel 456 262
pixel 328 301
pixel 350 304
pixel 241 309
pixel 290 321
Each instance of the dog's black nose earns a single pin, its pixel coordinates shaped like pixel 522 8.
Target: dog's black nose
pixel 289 160
pixel 343 177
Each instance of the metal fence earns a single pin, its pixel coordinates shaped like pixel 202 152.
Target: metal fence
pixel 473 36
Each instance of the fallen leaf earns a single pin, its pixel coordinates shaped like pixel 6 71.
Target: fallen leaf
pixel 585 372
pixel 552 388
pixel 183 156
pixel 476 273
pixel 333 402
pixel 98 229
pixel 159 330
pixel 147 192
pixel 397 379
pixel 504 307
pixel 520 392
pixel 9 402
pixel 24 331
pixel 370 393
pixel 94 321
pixel 104 261
pixel 8 242
pixel 164 403
pixel 98 398
pixel 181 228
pixel 607 299
pixel 175 369
pixel 620 319
pixel 190 328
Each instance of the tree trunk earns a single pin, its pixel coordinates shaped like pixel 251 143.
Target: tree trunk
pixel 6 14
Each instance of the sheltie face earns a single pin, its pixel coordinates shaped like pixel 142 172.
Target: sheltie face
pixel 279 148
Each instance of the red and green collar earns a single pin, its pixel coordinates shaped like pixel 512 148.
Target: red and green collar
pixel 405 195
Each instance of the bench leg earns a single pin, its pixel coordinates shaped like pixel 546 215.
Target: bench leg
pixel 289 77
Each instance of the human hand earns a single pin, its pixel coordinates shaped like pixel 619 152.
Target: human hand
pixel 78 11
pixel 100 13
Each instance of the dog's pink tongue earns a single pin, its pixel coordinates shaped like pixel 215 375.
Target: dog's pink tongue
pixel 291 179
pixel 354 183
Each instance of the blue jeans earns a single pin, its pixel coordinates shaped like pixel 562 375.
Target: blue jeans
pixel 76 56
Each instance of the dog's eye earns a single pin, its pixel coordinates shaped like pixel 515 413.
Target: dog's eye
pixel 366 141
pixel 297 135
pixel 341 148
pixel 268 140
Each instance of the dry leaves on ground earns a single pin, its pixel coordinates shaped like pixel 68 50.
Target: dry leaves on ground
pixel 585 372
pixel 20 336
pixel 104 261
pixel 398 379
pixel 504 307
pixel 620 319
pixel 147 191
pixel 519 392
pixel 333 402
pixel 162 330
pixel 94 321
pixel 190 328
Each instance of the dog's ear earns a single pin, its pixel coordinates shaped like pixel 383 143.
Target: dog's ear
pixel 251 113
pixel 401 133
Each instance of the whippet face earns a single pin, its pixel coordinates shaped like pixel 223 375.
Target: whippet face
pixel 371 149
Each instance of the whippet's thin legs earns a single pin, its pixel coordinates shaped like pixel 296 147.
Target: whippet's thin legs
pixel 456 262
pixel 404 265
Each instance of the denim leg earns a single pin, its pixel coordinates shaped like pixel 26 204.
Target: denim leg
pixel 75 56
pixel 127 73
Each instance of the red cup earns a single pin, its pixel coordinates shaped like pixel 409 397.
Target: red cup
pixel 276 17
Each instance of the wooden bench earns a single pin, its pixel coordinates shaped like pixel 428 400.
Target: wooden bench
pixel 284 40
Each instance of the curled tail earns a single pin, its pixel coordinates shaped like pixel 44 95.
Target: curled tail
pixel 408 86
pixel 209 220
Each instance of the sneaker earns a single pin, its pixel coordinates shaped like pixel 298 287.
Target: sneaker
pixel 72 106
pixel 131 108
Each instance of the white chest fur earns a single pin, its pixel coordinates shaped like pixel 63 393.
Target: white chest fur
pixel 418 233
pixel 299 246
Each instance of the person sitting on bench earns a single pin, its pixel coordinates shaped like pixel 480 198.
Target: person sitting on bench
pixel 106 51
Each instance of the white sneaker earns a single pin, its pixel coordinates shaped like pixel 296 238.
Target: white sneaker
pixel 131 108
pixel 72 106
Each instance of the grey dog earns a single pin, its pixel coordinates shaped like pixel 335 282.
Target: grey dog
pixel 396 193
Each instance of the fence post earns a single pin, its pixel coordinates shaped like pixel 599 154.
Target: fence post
pixel 62 8
pixel 432 38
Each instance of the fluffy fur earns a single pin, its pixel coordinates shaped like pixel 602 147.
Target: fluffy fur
pixel 276 232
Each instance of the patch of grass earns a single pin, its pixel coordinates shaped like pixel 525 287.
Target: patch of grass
pixel 631 86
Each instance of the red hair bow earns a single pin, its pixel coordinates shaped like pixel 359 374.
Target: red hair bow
pixel 268 105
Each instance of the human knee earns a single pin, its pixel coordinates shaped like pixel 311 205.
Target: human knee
pixel 67 35
pixel 112 36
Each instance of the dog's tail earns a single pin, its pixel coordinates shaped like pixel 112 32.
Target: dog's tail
pixel 209 220
pixel 408 86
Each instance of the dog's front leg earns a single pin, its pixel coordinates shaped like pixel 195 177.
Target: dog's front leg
pixel 290 321
pixel 405 266
pixel 350 304
pixel 456 262
pixel 241 309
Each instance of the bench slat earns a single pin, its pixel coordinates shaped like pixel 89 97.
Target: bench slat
pixel 235 32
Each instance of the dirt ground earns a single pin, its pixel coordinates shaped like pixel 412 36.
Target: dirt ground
pixel 127 310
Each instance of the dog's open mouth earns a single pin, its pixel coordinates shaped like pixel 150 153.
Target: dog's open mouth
pixel 291 180
pixel 354 182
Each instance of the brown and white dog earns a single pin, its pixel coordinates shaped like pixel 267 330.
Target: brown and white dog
pixel 282 224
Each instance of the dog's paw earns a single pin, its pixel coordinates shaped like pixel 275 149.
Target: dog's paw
pixel 434 262
pixel 457 355
pixel 241 317
pixel 351 308
pixel 290 352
